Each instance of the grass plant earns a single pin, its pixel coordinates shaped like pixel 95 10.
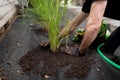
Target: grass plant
pixel 50 11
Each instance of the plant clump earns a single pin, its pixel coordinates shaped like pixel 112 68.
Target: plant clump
pixel 51 13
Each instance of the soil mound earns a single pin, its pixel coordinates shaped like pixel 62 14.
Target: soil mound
pixel 43 61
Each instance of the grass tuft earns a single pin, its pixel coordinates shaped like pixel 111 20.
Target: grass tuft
pixel 50 11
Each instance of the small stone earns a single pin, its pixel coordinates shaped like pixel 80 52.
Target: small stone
pixel 18 44
pixel 18 71
pixel 98 69
pixel 47 76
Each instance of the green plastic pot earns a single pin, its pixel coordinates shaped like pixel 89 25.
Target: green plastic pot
pixel 106 58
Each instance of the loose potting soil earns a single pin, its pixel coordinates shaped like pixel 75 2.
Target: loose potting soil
pixel 43 61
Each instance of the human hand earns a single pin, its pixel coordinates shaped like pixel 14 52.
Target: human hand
pixel 81 52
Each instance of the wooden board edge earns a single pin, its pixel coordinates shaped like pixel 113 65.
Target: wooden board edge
pixel 7 26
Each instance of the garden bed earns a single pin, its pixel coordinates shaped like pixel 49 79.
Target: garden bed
pixel 43 61
pixel 21 58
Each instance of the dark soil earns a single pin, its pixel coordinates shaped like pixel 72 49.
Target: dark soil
pixel 43 61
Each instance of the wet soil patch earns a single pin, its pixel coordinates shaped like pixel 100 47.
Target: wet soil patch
pixel 43 61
